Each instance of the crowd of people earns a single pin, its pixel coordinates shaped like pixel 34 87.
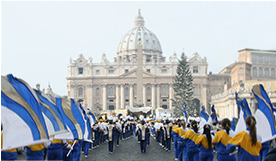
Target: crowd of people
pixel 190 142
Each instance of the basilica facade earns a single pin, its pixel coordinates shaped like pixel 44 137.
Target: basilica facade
pixel 139 76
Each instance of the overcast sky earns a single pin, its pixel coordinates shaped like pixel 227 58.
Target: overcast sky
pixel 38 38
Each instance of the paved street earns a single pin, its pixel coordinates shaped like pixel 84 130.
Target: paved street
pixel 129 150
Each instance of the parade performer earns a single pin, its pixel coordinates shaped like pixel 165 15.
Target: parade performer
pixel 204 143
pixel 167 136
pixel 111 129
pixel 119 130
pixel 175 135
pixel 181 143
pixel 143 132
pixel 190 138
pixel 157 127
pixel 247 141
pixel 66 148
pixel 221 139
pixel 7 154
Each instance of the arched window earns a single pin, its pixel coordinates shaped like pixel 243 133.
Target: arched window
pixel 260 71
pixel 255 71
pixel 80 92
pixel 111 91
pixel 164 91
pixel 266 72
pixel 273 72
pixel 126 91
pixel 148 91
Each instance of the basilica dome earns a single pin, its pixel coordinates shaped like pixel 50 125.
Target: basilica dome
pixel 129 43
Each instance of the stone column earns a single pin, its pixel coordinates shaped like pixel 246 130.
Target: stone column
pixel 104 97
pixel 90 96
pixel 144 95
pixel 158 95
pixel 117 96
pixel 170 96
pixel 122 96
pixel 131 95
pixel 153 96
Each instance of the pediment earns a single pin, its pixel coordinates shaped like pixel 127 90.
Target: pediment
pixel 132 74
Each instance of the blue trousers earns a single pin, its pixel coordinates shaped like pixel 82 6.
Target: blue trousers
pixel 8 155
pixel 77 151
pixel 158 136
pixel 55 154
pixel 180 149
pixel 34 157
pixel 148 139
pixel 226 157
pixel 192 155
pixel 110 146
pixel 168 143
pixel 69 158
pixel 86 145
pixel 206 156
pixel 118 138
pixel 143 146
pixel 175 146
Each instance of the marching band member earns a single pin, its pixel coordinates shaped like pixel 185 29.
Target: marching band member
pixel 175 134
pixel 247 141
pixel 221 139
pixel 119 129
pixel 111 130
pixel 143 132
pixel 157 127
pixel 204 143
pixel 138 132
pixel 190 138
pixel 167 136
pixel 181 143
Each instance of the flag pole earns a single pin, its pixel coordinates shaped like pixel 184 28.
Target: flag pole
pixel 71 148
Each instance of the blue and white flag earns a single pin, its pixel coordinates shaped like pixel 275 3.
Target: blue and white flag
pixel 54 121
pixel 184 106
pixel 244 112
pixel 266 126
pixel 92 118
pixel 214 114
pixel 203 114
pixel 233 126
pixel 72 117
pixel 87 132
pixel 204 117
pixel 21 115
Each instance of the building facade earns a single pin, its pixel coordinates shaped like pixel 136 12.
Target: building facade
pixel 254 66
pixel 139 76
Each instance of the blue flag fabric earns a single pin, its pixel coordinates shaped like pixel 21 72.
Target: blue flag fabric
pixel 28 94
pixel 52 113
pixel 204 114
pixel 93 119
pixel 265 114
pixel 233 127
pixel 242 103
pixel 87 124
pixel 20 115
pixel 214 114
pixel 72 117
pixel 184 106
